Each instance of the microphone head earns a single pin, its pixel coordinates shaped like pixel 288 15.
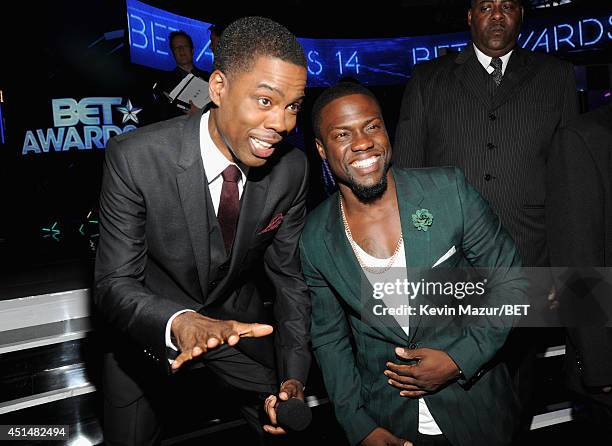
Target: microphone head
pixel 293 414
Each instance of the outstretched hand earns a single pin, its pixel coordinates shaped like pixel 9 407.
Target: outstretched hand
pixel 196 334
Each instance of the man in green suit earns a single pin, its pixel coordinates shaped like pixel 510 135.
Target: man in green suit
pixel 392 382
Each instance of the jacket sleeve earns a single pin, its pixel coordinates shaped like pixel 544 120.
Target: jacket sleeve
pixel 411 132
pixel 574 190
pixel 332 347
pixel 120 297
pixel 486 245
pixel 291 303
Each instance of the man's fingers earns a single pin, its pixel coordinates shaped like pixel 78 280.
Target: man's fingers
pixel 413 393
pixel 402 369
pixel 291 389
pixel 270 408
pixel 407 353
pixel 196 351
pixel 401 386
pixel 401 378
pixel 213 342
pixel 274 430
pixel 252 330
pixel 181 359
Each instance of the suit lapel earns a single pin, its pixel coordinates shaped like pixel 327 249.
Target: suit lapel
pixel 354 285
pixel 411 198
pixel 469 71
pixel 192 187
pixel 520 69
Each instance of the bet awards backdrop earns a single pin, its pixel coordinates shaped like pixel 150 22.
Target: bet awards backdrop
pixel 68 86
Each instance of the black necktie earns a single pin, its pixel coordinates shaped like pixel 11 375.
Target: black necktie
pixel 229 205
pixel 496 63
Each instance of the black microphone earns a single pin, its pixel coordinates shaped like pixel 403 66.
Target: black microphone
pixel 293 414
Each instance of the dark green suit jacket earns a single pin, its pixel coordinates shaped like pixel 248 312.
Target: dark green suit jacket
pixel 478 409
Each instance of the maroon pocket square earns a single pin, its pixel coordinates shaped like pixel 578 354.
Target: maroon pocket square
pixel 274 223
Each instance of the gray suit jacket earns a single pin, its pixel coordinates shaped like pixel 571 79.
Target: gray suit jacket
pixel 157 254
pixel 452 114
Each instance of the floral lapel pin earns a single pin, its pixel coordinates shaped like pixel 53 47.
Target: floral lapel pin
pixel 422 219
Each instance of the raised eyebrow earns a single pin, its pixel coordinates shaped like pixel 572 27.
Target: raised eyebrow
pixel 271 88
pixel 348 127
pixel 369 121
pixel 338 127
pixel 279 92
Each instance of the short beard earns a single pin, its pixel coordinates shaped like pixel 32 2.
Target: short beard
pixel 369 194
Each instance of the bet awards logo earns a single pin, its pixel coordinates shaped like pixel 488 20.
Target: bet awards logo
pixel 81 125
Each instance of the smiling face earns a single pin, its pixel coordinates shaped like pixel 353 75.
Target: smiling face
pixel 255 108
pixel 495 25
pixel 354 141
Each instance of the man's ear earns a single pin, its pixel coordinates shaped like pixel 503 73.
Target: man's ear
pixel 469 17
pixel 320 148
pixel 217 84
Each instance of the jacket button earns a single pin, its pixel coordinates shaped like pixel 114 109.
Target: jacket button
pixel 412 346
pixel 490 146
pixel 487 177
pixel 212 285
pixel 492 117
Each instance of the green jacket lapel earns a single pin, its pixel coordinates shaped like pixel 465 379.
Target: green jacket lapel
pixel 350 277
pixel 411 198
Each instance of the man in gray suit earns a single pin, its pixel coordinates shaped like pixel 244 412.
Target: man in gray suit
pixel 194 211
pixel 492 110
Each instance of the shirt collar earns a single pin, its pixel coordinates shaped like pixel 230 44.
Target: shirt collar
pixel 485 60
pixel 213 159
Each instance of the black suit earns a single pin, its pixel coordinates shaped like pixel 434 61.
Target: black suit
pixel 161 251
pixel 452 114
pixel 579 219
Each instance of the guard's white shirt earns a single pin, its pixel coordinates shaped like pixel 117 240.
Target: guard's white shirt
pixel 485 60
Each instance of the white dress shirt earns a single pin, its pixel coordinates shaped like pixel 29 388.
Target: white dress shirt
pixel 485 60
pixel 214 164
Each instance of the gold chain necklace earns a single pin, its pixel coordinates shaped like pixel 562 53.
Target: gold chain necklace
pixel 376 270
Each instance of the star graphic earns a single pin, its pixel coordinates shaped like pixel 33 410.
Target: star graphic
pixel 129 112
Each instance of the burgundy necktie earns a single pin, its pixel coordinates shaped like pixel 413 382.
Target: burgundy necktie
pixel 229 205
